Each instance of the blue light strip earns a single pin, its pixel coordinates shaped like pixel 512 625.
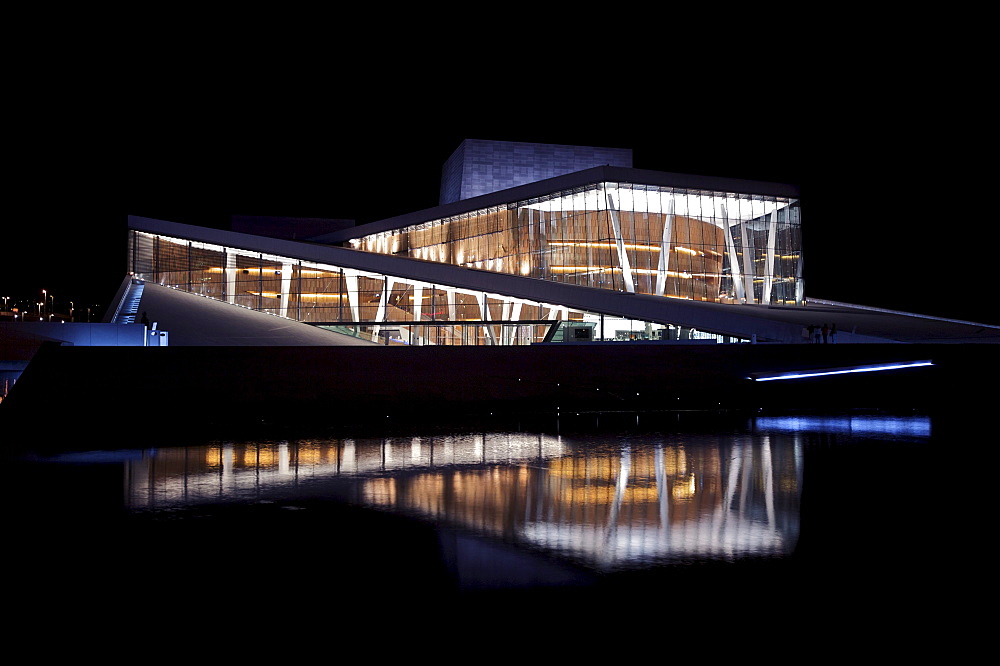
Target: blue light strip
pixel 767 377
pixel 908 426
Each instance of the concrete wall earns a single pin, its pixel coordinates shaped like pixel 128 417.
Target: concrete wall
pixel 87 335
pixel 190 386
pixel 19 342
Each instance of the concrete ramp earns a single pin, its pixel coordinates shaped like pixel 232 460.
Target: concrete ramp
pixel 196 321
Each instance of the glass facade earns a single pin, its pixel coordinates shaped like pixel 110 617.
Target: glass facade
pixel 722 247
pixel 375 306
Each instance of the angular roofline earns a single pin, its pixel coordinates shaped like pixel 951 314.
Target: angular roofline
pixel 706 316
pixel 565 182
pixel 767 322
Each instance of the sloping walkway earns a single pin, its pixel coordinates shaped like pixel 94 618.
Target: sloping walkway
pixel 192 320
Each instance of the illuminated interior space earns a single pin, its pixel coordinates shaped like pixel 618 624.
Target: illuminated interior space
pixel 377 306
pixel 599 255
pixel 604 229
pixel 680 242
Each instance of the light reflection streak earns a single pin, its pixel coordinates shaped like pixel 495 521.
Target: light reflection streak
pixel 775 376
pixel 610 507
pixel 914 426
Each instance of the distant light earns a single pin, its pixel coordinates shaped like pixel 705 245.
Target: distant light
pixel 768 376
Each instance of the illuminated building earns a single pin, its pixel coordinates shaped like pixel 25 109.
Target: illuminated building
pixel 622 229
pixel 606 253
pixel 592 260
pixel 516 266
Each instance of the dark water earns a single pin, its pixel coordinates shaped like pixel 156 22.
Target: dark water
pixel 800 519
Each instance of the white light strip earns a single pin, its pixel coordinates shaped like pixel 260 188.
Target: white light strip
pixel 767 377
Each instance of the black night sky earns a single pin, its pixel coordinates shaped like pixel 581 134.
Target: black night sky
pixel 194 117
pixel 871 209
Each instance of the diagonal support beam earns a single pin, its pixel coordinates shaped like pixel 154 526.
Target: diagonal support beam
pixel 387 283
pixel 623 261
pixel 734 259
pixel 352 294
pixel 286 288
pixel 418 302
pixel 485 315
pixel 663 264
pixel 748 256
pixel 772 239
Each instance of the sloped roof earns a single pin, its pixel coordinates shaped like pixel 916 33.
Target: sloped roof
pixel 776 323
pixel 569 181
pixel 197 321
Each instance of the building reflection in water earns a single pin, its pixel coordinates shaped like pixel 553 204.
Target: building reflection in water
pixel 609 502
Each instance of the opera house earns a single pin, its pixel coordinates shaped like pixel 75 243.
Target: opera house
pixel 546 275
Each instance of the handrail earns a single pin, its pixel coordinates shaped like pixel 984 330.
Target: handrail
pixel 121 298
pixel 111 314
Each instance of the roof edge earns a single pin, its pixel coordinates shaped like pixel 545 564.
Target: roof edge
pixel 563 182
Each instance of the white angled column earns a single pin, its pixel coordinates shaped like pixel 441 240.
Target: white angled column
pixel 352 294
pixel 382 304
pixel 286 288
pixel 664 264
pixel 484 314
pixel 772 238
pixel 229 273
pixel 734 259
pixel 512 313
pixel 748 268
pixel 452 304
pixel 418 302
pixel 623 261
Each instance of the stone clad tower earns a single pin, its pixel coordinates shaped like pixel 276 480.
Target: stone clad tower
pixel 480 167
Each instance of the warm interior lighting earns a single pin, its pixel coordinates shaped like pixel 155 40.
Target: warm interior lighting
pixel 320 296
pixel 304 272
pixel 606 244
pixel 684 489
pixel 682 274
pixel 639 271
pixel 591 269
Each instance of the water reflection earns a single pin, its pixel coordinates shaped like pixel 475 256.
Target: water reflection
pixel 608 502
pixel 894 426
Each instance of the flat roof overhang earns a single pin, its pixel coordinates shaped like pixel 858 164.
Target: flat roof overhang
pixel 543 188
